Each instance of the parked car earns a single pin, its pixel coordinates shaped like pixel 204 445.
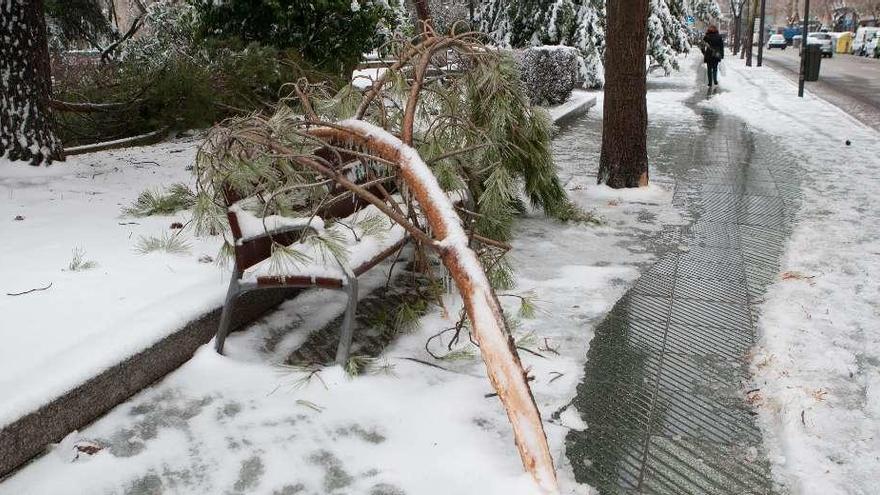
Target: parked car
pixel 776 41
pixel 863 35
pixel 824 41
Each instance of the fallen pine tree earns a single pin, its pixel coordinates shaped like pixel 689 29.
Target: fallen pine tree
pixel 424 131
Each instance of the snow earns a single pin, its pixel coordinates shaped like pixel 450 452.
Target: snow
pixel 244 423
pixel 359 249
pixel 365 78
pixel 89 320
pixel 818 361
pixel 579 101
pixel 252 226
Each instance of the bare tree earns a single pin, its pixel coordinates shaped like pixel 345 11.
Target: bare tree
pixel 26 123
pixel 624 158
pixel 736 10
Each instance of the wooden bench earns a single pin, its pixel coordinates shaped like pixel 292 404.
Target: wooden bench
pixel 253 238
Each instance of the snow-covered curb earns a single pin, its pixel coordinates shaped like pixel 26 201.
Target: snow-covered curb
pixel 578 104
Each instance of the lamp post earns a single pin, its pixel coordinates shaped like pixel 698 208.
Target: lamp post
pixel 804 48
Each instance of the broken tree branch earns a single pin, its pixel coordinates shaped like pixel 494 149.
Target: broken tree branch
pixel 497 347
pixel 135 26
pixel 77 107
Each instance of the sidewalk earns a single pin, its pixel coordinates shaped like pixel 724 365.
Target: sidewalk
pixel 664 395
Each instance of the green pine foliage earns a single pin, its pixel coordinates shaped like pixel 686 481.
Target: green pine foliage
pixel 476 130
pixel 177 197
pixel 77 22
pixel 165 242
pixel 330 35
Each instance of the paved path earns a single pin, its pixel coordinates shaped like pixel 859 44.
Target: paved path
pixel 666 382
pixel 847 81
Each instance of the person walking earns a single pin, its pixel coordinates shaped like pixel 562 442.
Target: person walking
pixel 713 52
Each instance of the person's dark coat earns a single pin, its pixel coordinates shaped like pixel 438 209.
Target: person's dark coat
pixel 713 50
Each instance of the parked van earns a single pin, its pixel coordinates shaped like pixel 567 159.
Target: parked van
pixel 863 35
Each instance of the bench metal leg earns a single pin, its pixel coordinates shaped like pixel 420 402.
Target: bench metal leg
pixel 228 306
pixel 347 330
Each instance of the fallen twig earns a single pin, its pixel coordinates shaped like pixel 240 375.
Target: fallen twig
pixel 547 348
pixel 426 363
pixel 557 377
pixel 29 291
pixel 531 352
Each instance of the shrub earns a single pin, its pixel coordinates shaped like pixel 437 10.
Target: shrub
pixel 550 73
pixel 330 35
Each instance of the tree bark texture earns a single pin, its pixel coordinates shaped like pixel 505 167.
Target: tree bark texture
pixel 753 14
pixel 26 123
pixel 736 31
pixel 624 158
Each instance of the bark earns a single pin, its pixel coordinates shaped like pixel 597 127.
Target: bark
pixel 736 25
pixel 26 123
pixel 423 12
pixel 484 312
pixel 750 31
pixel 624 158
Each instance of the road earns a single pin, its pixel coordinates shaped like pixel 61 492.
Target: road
pixel 852 83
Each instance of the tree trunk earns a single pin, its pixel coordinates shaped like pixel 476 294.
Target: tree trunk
pixel 423 12
pixel 26 124
pixel 624 158
pixel 743 39
pixel 750 32
pixel 736 26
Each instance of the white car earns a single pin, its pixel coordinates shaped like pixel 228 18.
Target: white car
pixel 776 41
pixel 824 41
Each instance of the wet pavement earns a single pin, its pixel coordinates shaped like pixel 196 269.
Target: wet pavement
pixel 666 389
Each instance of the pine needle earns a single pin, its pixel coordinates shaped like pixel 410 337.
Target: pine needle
pixel 169 243
pixel 177 197
pixel 79 263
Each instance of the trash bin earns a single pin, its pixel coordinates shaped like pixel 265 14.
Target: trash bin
pixel 812 61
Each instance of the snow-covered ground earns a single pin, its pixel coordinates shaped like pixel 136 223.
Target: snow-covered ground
pixel 818 362
pixel 245 424
pixel 91 318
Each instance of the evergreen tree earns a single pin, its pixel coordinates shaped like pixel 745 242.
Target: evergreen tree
pixel 581 24
pixel 331 35
pixel 667 33
pixel 72 21
pixel 26 124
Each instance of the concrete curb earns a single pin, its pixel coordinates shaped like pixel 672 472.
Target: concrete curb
pixel 28 436
pixel 579 103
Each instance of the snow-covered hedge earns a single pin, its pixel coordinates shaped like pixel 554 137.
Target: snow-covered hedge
pixel 550 73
